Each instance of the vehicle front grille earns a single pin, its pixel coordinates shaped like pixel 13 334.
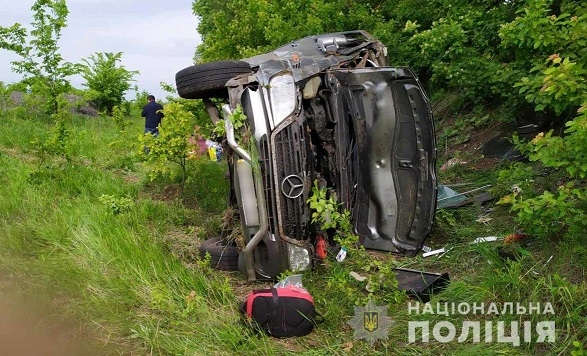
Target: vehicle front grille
pixel 290 159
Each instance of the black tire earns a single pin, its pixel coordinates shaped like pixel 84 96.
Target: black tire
pixel 223 255
pixel 208 80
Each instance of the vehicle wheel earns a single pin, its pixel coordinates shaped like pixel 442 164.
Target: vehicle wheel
pixel 223 254
pixel 208 80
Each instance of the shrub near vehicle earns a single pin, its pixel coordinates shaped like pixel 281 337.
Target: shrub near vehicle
pixel 323 109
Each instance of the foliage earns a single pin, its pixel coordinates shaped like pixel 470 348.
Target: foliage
pixel 171 145
pixel 238 120
pixel 168 88
pixel 196 107
pixel 108 81
pixel 326 213
pixel 58 142
pixel 140 99
pixel 578 349
pixel 238 28
pixel 568 152
pixel 43 66
pixel 119 118
pixel 561 211
pixel 116 205
pixel 4 97
pixel 556 40
pixel 461 50
pixel 381 285
pixel 206 185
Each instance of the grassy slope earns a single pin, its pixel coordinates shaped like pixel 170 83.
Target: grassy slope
pixel 132 282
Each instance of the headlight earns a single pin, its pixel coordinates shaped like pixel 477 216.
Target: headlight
pixel 299 258
pixel 282 94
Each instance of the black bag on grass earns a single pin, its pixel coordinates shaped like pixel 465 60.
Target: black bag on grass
pixel 282 312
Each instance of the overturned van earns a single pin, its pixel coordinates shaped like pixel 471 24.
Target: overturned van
pixel 326 109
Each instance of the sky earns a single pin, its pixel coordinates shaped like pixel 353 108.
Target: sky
pixel 157 38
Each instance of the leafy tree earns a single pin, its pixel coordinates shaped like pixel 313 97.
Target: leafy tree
pixel 42 65
pixel 171 145
pixel 555 39
pixel 460 51
pixel 240 28
pixel 106 80
pixel 196 107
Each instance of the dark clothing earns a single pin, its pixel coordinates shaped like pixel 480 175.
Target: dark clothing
pixel 154 132
pixel 152 117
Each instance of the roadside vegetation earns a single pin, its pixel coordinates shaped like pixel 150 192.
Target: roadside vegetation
pixel 100 231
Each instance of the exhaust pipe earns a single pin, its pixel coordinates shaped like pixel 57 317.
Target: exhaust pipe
pixel 258 183
pixel 230 135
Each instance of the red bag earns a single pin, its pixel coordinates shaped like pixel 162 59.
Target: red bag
pixel 282 312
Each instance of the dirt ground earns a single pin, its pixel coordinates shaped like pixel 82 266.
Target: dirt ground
pixel 33 323
pixel 25 329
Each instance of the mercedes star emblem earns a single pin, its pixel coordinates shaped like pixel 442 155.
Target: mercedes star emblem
pixel 292 186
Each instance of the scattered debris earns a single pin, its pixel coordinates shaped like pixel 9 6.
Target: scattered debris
pixel 514 237
pixel 435 252
pixel 445 252
pixel 341 254
pixel 484 219
pixel 451 163
pixel 357 276
pixel 449 198
pixel 426 248
pixel 516 189
pixel 502 148
pixel 420 284
pixel 486 239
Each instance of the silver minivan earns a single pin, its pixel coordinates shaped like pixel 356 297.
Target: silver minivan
pixel 326 109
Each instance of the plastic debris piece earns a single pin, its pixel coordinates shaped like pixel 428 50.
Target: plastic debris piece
pixel 448 197
pixel 419 284
pixel 514 237
pixel 341 254
pixel 321 247
pixel 485 239
pixel 357 276
pixel 293 280
pixel 426 248
pixel 435 252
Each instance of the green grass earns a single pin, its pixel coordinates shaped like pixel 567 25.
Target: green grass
pixel 131 278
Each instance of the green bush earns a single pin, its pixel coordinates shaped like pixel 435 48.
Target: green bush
pixel 561 209
pixel 171 145
pixel 106 80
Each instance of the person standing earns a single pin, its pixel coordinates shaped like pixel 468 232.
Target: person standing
pixel 152 112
